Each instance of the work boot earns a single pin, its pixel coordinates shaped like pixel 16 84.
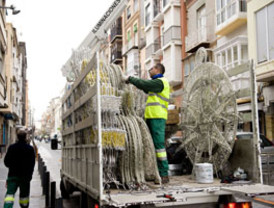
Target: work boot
pixel 165 179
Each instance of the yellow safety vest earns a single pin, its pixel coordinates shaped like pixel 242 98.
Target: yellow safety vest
pixel 157 103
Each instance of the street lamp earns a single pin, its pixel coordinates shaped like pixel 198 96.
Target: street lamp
pixel 14 11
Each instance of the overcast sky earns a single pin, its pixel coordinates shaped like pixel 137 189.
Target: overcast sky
pixel 51 29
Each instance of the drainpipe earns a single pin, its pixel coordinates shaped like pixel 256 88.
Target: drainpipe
pixel 4 132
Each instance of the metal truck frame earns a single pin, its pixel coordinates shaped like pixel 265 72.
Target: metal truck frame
pixel 82 165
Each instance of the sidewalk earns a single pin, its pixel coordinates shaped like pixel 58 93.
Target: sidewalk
pixel 37 200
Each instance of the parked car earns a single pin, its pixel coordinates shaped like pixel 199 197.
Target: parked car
pixel 267 149
pixel 265 142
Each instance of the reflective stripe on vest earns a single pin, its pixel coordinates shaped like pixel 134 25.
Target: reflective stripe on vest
pixel 161 154
pixel 157 103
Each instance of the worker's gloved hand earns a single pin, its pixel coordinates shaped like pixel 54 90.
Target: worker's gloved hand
pixel 125 79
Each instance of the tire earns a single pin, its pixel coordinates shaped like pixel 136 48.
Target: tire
pixel 64 192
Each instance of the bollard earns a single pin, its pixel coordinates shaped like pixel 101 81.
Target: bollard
pixel 47 181
pixel 52 194
pixel 59 203
pixel 43 179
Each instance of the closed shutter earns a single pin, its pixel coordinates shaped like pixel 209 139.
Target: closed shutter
pixel 261 32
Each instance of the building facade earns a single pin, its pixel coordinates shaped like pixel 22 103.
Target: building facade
pixel 12 111
pixel 3 47
pixel 163 37
pixel 199 19
pixel 131 38
pixel 261 50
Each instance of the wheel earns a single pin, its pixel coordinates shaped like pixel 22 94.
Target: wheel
pixel 64 192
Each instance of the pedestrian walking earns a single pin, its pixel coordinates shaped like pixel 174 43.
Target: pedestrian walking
pixel 20 159
pixel 156 112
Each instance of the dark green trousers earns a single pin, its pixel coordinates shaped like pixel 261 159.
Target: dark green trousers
pixel 157 130
pixel 13 183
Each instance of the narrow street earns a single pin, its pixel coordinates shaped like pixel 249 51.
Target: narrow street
pixel 157 103
pixel 53 161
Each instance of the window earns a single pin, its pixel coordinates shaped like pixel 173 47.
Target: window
pixel 189 65
pixel 147 15
pixel 135 6
pixel 128 35
pixel 128 12
pixel 186 65
pixel 1 62
pixel 162 35
pixel 265 34
pixel 201 18
pixel 165 2
pixel 232 56
pixel 156 7
pixel 235 55
pixel 135 30
pixel 227 8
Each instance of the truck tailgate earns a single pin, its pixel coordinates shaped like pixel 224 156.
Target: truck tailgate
pixel 182 190
pixel 251 190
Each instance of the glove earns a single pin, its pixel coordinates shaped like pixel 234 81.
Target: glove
pixel 125 79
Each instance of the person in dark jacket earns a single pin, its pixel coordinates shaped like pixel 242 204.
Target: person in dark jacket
pixel 20 159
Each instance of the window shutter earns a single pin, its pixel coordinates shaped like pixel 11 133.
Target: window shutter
pixel 270 18
pixel 261 35
pixel 135 29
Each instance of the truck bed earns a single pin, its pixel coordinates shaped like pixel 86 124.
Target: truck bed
pixel 183 189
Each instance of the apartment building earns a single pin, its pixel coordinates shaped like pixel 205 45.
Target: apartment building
pixel 163 37
pixel 261 50
pixel 3 41
pixel 116 43
pixel 232 50
pixel 51 118
pixel 13 111
pixel 131 38
pixel 3 48
pixel 200 31
pixel 23 87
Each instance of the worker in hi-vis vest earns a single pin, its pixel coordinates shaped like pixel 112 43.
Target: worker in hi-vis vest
pixel 156 112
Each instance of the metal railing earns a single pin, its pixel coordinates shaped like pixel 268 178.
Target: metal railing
pixel 115 31
pixel 116 54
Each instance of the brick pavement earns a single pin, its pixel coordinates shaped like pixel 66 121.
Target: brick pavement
pixel 37 200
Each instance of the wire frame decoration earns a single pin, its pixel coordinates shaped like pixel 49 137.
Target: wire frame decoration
pixel 209 114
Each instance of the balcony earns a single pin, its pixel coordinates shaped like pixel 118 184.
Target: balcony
pixel 173 34
pixel 116 32
pixel 231 17
pixel 133 63
pixel 3 36
pixel 155 48
pixel 130 45
pixel 116 56
pixel 196 40
pixel 157 11
pixel 15 109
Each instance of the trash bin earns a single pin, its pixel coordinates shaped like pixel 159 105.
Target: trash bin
pixel 54 144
